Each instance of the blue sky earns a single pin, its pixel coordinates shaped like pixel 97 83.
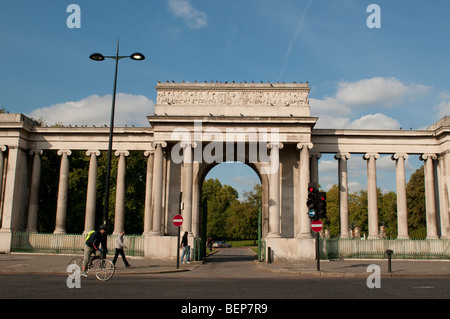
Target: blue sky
pixel 389 77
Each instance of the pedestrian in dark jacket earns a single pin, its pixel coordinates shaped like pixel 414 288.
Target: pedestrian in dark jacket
pixel 186 248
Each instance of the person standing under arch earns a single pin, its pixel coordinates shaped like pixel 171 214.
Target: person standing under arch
pixel 186 248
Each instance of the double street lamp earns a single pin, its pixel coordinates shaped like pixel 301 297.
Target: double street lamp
pixel 99 57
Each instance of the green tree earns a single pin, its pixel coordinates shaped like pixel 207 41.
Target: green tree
pixel 415 194
pixel 227 217
pixel 387 207
pixel 48 192
pixel 218 198
pixel 242 222
pixel 76 201
pixel 333 219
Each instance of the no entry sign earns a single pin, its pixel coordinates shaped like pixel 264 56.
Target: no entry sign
pixel 178 220
pixel 316 226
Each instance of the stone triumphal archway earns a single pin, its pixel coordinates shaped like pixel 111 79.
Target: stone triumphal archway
pixel 268 126
pixel 198 125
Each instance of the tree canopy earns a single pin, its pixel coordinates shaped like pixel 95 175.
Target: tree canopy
pixel 227 216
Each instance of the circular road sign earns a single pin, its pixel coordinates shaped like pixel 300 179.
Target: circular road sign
pixel 178 220
pixel 316 226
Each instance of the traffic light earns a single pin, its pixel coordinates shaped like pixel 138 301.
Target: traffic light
pixel 322 205
pixel 311 202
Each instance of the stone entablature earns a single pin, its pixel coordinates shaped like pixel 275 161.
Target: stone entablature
pixel 232 99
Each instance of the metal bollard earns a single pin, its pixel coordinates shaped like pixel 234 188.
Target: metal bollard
pixel 389 252
pixel 269 255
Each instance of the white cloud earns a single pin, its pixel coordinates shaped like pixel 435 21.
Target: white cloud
pixel 374 121
pixel 351 97
pixel 443 107
pixel 328 166
pixel 329 105
pixel 96 110
pixel 355 187
pixel 386 163
pixel 377 91
pixel 194 18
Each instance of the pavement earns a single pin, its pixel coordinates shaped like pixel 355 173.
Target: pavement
pixel 19 263
pixel 360 268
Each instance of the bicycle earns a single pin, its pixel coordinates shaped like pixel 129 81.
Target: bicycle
pixel 104 268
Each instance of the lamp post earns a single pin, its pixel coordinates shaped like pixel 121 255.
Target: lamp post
pixel 99 57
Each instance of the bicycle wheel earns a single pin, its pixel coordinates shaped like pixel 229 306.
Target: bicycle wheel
pixel 78 261
pixel 104 269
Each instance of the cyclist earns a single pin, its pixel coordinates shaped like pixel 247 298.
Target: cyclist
pixel 92 245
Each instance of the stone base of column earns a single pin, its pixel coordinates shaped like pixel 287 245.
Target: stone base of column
pixel 273 235
pixel 292 249
pixel 161 247
pixel 155 233
pixel 305 235
pixel 5 241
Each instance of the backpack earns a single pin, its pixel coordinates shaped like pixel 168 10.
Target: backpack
pixel 89 235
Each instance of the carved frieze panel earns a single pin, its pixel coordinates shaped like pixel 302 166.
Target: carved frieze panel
pixel 234 95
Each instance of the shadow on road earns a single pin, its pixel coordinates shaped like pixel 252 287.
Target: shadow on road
pixel 232 255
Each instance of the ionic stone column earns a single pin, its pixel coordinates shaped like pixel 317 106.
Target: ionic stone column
pixel 303 222
pixel 119 215
pixel 274 190
pixel 444 191
pixel 372 193
pixel 91 198
pixel 402 207
pixel 314 167
pixel 157 188
pixel 61 206
pixel 148 192
pixel 187 186
pixel 343 192
pixel 3 149
pixel 430 199
pixel 33 203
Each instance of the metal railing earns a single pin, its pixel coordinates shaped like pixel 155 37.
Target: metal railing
pixel 334 248
pixel 68 243
pixel 376 248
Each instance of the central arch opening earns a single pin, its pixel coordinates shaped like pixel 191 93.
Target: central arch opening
pixel 231 214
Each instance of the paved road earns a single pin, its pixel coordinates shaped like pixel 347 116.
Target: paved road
pixel 230 275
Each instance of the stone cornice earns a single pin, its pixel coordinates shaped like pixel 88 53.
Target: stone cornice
pixel 231 86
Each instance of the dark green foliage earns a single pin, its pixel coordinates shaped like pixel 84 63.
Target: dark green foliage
pixel 228 218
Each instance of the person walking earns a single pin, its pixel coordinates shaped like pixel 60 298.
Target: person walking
pixel 186 248
pixel 119 250
pixel 210 244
